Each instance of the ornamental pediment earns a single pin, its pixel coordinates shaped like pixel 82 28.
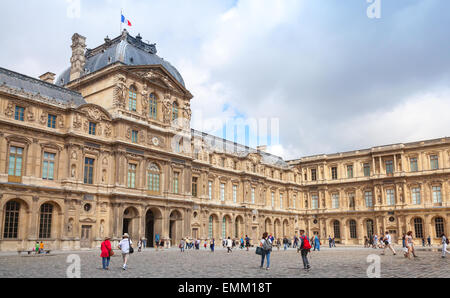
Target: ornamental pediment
pixel 94 112
pixel 159 77
pixel 88 220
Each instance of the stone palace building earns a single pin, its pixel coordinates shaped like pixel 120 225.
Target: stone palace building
pixel 107 149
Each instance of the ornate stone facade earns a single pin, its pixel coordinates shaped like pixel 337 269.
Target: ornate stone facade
pixel 100 157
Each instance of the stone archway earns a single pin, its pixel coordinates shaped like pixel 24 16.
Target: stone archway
pixel 130 223
pixel 153 225
pixel 175 227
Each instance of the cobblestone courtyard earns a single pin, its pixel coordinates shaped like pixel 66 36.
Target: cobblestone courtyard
pixel 332 263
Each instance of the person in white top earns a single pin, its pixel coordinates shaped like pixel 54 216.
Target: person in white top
pixel 124 245
pixel 388 244
pixel 444 245
pixel 229 244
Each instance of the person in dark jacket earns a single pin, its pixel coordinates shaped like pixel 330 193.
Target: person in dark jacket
pixel 304 250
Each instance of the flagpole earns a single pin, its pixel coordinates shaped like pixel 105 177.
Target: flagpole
pixel 121 14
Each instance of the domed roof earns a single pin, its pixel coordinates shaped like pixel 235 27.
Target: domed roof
pixel 125 49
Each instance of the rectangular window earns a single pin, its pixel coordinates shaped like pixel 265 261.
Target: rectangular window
pixel 389 167
pixel 132 100
pixel 153 104
pixel 132 175
pixel 434 162
pixel 335 201
pixel 413 165
pixel 334 174
pixel 437 197
pixel 368 198
pixel 134 136
pixel 19 114
pixel 253 195
pixel 315 201
pixel 273 199
pixel 88 171
pixel 313 174
pixel 390 197
pixel 235 193
pixel 281 201
pixel 51 121
pixel 366 170
pixel 222 192
pixel 415 195
pixel 194 186
pixel 15 164
pixel 48 166
pixel 176 176
pixel 210 184
pixel 349 171
pixel 92 128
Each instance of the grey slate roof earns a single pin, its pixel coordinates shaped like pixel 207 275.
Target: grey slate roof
pixel 217 144
pixel 38 87
pixel 130 51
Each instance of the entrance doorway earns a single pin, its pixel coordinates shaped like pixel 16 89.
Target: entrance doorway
pixel 149 228
pixel 85 241
pixel 126 225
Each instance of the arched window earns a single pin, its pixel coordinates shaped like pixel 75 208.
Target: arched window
pixel 439 225
pixel 153 178
pixel 369 226
pixel 11 229
pixel 45 222
pixel 210 227
pixel 132 99
pixel 337 229
pixel 174 111
pixel 153 106
pixel 418 227
pixel 353 233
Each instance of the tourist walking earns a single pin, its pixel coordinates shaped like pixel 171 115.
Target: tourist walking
pixel 106 254
pixel 139 245
pixel 305 248
pixel 330 241
pixel 429 240
pixel 388 244
pixel 247 242
pixel 423 241
pixel 126 248
pixel 211 245
pixel 366 242
pixel 36 247
pixel 266 245
pixel 410 244
pixel 157 238
pixel 182 244
pixel 445 243
pixel 41 247
pixel 316 243
pixel 375 241
pixel 285 243
pixel 229 244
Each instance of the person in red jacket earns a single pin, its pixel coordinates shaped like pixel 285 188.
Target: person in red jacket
pixel 106 253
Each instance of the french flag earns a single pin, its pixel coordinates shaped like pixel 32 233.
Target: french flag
pixel 126 21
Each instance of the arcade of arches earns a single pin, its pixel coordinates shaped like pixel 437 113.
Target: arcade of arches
pixel 93 157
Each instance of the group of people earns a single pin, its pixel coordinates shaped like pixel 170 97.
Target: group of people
pixel 39 247
pixel 266 245
pixel 385 242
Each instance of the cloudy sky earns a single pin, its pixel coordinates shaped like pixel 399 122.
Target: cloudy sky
pixel 333 79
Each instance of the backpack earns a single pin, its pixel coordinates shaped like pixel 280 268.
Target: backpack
pixel 447 241
pixel 267 246
pixel 306 245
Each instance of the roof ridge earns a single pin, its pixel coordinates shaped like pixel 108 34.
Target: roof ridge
pixel 29 78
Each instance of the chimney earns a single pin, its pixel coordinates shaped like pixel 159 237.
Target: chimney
pixel 78 60
pixel 48 77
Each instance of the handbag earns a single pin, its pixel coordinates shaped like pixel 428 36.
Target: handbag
pixel 259 251
pixel 131 248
